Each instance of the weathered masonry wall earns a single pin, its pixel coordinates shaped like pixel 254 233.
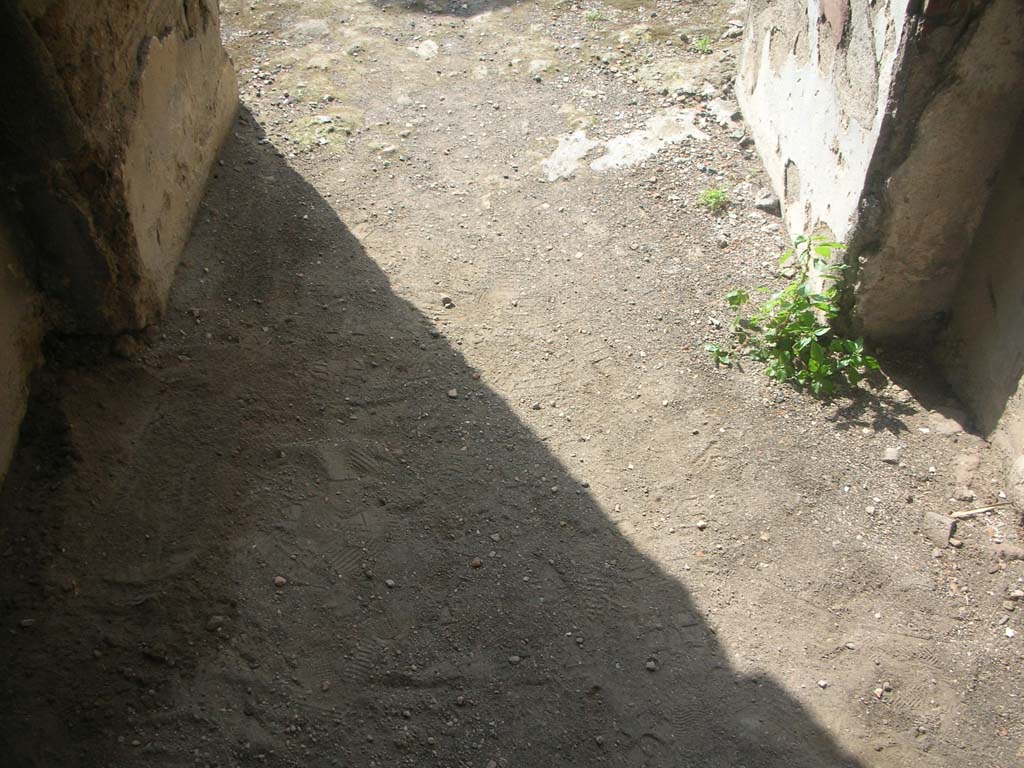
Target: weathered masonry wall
pixel 20 333
pixel 883 124
pixel 960 94
pixel 814 83
pixel 984 343
pixel 113 114
pixel 119 109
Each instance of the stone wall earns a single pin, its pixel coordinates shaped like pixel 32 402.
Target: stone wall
pixel 814 85
pixel 960 94
pixel 21 330
pixel 882 124
pixel 116 111
pixel 983 347
pixel 113 114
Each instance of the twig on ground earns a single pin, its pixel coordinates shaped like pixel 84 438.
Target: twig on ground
pixel 978 510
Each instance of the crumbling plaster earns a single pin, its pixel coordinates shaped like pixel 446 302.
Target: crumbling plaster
pixel 186 97
pixel 21 329
pixel 143 95
pixel 814 82
pixel 961 95
pixel 983 346
pixel 882 125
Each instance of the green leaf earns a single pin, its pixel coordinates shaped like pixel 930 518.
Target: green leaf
pixel 719 355
pixel 737 297
pixel 791 332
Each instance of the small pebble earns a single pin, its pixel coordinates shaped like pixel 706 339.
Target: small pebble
pixel 651 665
pixel 389 583
pixel 513 660
pixel 280 581
pixel 892 455
pixel 476 562
pixel 823 684
pixel 453 393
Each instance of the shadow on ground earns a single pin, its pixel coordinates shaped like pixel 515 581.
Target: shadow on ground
pixel 453 595
pixel 461 8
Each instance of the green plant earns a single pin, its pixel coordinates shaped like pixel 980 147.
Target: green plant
pixel 792 331
pixel 702 44
pixel 596 15
pixel 720 355
pixel 715 200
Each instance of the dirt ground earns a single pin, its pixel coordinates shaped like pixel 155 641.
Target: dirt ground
pixel 427 465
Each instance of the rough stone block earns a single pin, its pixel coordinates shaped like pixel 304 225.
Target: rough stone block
pixel 20 333
pixel 117 113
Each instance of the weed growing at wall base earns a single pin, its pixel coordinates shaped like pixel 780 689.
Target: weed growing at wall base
pixel 715 200
pixel 792 332
pixel 702 45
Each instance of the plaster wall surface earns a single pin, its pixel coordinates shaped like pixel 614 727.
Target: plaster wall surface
pixel 20 334
pixel 814 83
pixel 144 93
pixel 961 96
pixel 882 125
pixel 187 94
pixel 984 344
